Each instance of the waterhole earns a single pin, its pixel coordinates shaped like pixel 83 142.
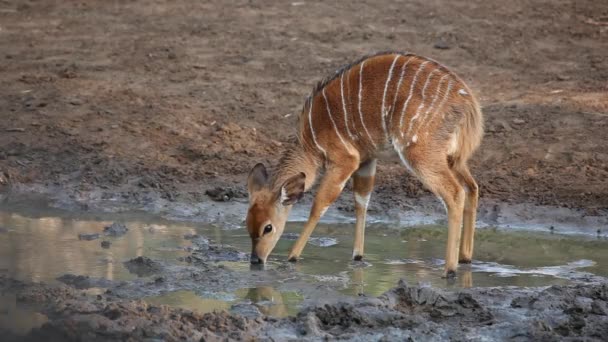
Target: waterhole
pixel 42 246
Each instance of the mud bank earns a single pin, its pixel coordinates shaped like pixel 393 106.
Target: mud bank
pixel 230 213
pixel 420 313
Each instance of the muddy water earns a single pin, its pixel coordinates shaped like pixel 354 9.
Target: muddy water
pixel 44 246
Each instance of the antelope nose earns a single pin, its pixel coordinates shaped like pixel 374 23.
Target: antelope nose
pixel 254 259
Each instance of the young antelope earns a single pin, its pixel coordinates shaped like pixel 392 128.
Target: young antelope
pixel 397 102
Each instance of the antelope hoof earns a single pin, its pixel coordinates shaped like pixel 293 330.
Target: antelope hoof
pixel 358 257
pixel 464 260
pixel 292 258
pixel 450 274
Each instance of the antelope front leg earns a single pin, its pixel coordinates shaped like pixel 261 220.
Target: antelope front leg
pixel 363 184
pixel 329 190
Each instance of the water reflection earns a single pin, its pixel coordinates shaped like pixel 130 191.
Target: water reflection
pixel 268 300
pixel 44 248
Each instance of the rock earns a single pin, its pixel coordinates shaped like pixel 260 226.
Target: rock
pixel 106 244
pixel 441 45
pixel 88 237
pixel 143 266
pixel 519 121
pixel 219 194
pixel 115 229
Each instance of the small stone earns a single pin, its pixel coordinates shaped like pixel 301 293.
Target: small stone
pixel 519 121
pixel 106 244
pixel 441 45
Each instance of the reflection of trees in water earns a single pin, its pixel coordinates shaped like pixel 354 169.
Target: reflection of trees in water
pixel 43 248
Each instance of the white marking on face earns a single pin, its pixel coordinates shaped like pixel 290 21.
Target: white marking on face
pixel 284 196
pixel 360 96
pixel 333 123
pixel 463 92
pixel 421 105
pixel 312 130
pixel 344 107
pixel 383 111
pixel 407 101
pixel 362 200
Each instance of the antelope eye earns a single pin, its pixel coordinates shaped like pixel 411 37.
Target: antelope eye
pixel 267 229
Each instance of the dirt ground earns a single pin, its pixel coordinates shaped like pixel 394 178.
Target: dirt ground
pixel 411 313
pixel 181 96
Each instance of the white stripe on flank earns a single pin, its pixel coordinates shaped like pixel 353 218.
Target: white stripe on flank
pixel 383 111
pixel 333 123
pixel 407 101
pixel 421 105
pixel 344 107
pixel 428 112
pixel 314 137
pixel 445 96
pixel 397 89
pixel 360 113
pixel 399 148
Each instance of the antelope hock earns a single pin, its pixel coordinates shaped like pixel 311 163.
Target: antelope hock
pixel 398 102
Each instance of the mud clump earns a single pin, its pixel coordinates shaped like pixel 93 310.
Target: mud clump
pixel 88 237
pixel 106 244
pixel 204 251
pixel 575 312
pixel 83 282
pixel 143 266
pixel 115 229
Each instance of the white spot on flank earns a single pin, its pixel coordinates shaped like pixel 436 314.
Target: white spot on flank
pixel 383 111
pixel 463 92
pixel 415 138
pixel 312 130
pixel 362 200
pixel 360 112
pixel 333 123
pixel 409 97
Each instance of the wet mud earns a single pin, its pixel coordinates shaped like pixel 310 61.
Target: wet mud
pixel 404 312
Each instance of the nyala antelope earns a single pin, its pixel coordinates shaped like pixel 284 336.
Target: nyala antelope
pixel 387 102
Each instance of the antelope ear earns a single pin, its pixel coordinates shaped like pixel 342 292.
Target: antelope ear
pixel 293 189
pixel 258 178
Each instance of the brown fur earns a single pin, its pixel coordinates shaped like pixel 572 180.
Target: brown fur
pixel 356 114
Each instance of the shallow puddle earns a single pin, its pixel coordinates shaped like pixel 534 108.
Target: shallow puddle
pixel 44 246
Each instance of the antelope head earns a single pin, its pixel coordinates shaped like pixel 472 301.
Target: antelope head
pixel 269 206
